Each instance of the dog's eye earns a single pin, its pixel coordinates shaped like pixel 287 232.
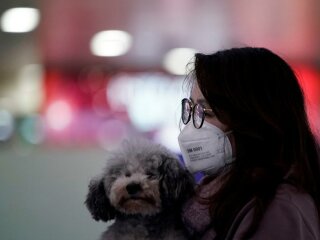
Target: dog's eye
pixel 127 174
pixel 150 175
pixel 115 171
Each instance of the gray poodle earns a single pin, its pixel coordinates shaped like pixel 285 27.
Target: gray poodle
pixel 142 188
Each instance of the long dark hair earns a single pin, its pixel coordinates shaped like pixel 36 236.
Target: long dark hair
pixel 256 93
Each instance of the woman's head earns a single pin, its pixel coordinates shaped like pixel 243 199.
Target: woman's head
pixel 256 94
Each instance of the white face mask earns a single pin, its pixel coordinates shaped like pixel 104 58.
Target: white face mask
pixel 206 149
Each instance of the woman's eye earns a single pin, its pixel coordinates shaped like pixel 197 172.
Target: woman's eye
pixel 210 115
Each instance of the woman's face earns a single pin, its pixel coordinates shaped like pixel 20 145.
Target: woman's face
pixel 197 97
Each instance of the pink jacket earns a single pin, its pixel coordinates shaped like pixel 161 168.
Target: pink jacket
pixel 291 215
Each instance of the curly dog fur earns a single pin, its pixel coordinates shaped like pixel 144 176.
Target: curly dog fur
pixel 142 188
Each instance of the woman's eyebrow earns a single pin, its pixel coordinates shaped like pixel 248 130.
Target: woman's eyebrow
pixel 203 102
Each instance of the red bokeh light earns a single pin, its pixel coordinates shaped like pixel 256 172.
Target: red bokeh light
pixel 309 79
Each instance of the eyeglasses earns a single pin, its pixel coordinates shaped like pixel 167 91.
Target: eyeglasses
pixel 197 110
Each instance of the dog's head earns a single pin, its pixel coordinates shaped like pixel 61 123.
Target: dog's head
pixel 140 178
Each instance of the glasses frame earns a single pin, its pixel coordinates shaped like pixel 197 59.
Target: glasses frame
pixel 192 112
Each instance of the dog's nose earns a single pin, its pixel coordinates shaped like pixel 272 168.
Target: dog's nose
pixel 133 188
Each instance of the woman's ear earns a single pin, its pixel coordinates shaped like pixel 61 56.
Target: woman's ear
pixel 98 203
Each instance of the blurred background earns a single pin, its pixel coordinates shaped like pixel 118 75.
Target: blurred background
pixel 78 76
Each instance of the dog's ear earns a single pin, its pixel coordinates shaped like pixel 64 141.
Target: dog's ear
pixel 98 203
pixel 177 183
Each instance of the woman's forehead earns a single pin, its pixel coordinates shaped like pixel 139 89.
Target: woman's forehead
pixel 196 93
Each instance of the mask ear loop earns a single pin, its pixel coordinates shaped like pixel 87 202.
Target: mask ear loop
pixel 227 161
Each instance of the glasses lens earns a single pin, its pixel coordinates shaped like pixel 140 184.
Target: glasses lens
pixel 198 116
pixel 186 110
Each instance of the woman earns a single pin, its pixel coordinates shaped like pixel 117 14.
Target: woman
pixel 247 129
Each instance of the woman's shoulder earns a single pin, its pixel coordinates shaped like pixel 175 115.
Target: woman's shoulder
pixel 297 199
pixel 292 214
